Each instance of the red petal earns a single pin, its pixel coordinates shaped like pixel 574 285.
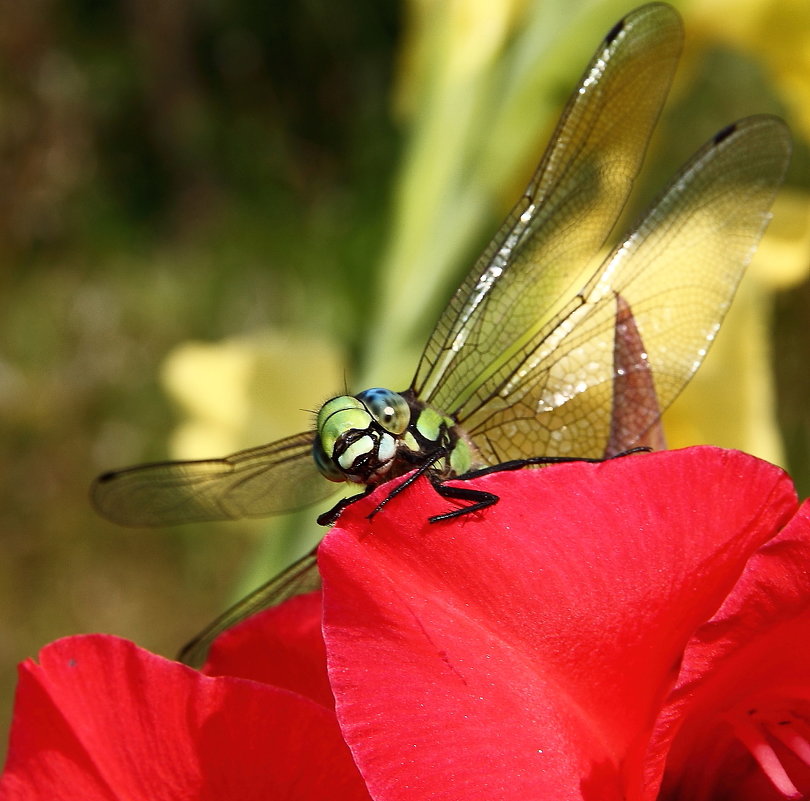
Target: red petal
pixel 749 663
pixel 523 652
pixel 99 718
pixel 282 646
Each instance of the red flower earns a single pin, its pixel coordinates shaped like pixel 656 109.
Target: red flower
pixel 637 629
pixel 100 718
pixel 631 630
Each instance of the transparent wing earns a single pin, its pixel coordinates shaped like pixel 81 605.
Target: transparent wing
pixel 258 482
pixel 675 277
pixel 302 576
pixel 541 255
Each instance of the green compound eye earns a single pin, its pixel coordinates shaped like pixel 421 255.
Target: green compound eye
pixel 325 464
pixel 388 408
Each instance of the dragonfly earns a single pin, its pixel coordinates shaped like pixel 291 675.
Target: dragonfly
pixel 555 347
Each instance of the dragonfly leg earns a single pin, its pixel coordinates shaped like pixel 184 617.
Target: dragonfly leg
pixel 519 464
pixel 423 468
pixel 480 499
pixel 637 449
pixel 328 518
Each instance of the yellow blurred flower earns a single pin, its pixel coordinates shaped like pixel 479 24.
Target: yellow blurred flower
pixel 248 390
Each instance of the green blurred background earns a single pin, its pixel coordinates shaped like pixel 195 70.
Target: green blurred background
pixel 213 215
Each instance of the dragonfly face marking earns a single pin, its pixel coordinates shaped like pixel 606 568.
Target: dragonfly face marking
pixel 357 435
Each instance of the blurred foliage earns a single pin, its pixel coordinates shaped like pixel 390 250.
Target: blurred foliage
pixel 212 211
pixel 170 171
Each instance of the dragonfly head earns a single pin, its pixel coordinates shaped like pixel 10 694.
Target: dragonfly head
pixel 357 435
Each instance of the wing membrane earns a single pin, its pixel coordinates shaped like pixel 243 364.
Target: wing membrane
pixel 537 259
pixel 677 272
pixel 257 482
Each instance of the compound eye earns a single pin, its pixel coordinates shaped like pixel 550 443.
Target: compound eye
pixel 388 408
pixel 325 463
